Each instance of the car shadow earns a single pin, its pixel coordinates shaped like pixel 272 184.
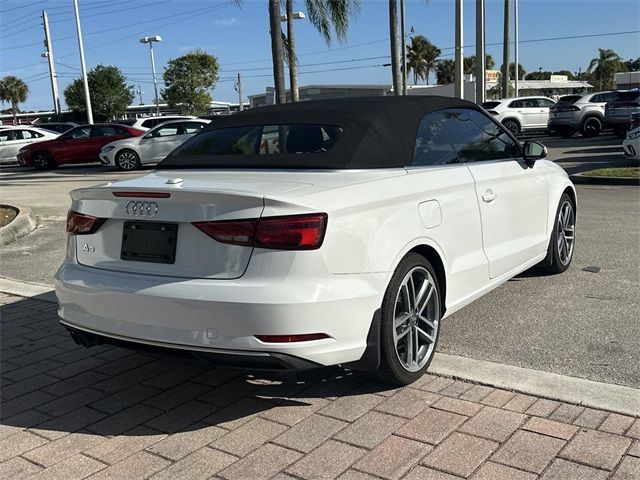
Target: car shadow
pixel 52 386
pixel 615 150
pixel 578 164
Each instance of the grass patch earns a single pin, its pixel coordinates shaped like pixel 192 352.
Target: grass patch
pixel 631 172
pixel 7 214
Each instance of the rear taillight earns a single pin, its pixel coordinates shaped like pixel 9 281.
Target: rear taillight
pixel 81 224
pixel 294 232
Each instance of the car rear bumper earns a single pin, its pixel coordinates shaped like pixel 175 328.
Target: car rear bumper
pixel 223 316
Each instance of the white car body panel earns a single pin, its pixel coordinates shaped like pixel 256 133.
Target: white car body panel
pixel 631 144
pixel 9 148
pixel 375 217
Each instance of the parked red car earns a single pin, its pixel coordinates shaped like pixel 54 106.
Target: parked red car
pixel 78 145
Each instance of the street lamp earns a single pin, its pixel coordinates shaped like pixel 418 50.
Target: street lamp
pixel 294 16
pixel 150 40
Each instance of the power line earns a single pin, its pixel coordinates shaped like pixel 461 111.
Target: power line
pixel 5 10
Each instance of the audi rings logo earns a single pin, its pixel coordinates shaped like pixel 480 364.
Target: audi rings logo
pixel 141 209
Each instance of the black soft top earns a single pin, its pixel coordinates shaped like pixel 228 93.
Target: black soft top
pixel 379 132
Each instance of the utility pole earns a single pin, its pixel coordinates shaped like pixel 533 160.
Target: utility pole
pixel 52 65
pixel 404 49
pixel 85 81
pixel 139 92
pixel 239 90
pixel 459 68
pixel 505 52
pixel 515 45
pixel 481 75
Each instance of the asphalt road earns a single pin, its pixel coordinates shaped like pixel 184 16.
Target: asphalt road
pixel 579 323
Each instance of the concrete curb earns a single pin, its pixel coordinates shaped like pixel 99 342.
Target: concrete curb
pixel 35 291
pixel 579 178
pixel 24 223
pixel 602 396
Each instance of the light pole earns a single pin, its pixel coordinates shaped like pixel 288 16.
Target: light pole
pixel 291 46
pixel 85 81
pixel 150 40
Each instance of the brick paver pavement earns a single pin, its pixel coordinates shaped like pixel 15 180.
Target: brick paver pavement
pixel 74 413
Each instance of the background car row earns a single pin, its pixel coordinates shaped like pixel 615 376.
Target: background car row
pixel 587 114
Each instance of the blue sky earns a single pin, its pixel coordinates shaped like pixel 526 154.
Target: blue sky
pixel 239 38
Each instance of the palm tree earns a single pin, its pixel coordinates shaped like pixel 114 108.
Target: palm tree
pixel 13 91
pixel 604 66
pixel 395 46
pixel 330 17
pixel 445 72
pixel 470 64
pixel 421 58
pixel 277 50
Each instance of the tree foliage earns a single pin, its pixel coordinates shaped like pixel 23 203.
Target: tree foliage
pixel 446 72
pixel 603 67
pixel 470 64
pixel 109 92
pixel 188 80
pixel 331 17
pixel 512 71
pixel 422 57
pixel 13 91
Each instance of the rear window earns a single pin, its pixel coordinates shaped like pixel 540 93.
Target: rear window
pixel 490 105
pixel 262 140
pixel 569 99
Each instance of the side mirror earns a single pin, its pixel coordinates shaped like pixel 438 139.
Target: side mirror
pixel 534 151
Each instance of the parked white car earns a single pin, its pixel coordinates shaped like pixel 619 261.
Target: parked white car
pixel 12 139
pixel 347 243
pixel 521 114
pixel 152 147
pixel 147 123
pixel 631 144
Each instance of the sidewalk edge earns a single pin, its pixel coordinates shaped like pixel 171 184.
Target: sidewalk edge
pixel 35 291
pixel 579 391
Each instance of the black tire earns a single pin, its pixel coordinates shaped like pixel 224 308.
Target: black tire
pixel 512 126
pixel 620 132
pixel 392 370
pixel 555 263
pixel 591 127
pixel 127 160
pixel 43 160
pixel 566 132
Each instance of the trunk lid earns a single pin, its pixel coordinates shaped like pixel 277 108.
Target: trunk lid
pixel 137 222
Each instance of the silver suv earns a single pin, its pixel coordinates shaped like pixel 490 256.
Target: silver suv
pixel 579 113
pixel 522 113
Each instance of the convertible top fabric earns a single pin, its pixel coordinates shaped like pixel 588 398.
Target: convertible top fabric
pixel 379 132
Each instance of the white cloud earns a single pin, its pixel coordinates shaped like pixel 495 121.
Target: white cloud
pixel 226 22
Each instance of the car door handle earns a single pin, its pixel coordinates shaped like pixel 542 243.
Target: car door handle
pixel 489 196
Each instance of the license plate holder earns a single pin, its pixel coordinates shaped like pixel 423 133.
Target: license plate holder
pixel 151 242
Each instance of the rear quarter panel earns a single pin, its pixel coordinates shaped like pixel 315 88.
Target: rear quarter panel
pixel 373 225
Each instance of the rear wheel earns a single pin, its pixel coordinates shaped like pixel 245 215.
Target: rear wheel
pixel 512 126
pixel 410 323
pixel 591 127
pixel 563 238
pixel 43 161
pixel 127 160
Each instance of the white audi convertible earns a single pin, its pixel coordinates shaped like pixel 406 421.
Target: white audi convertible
pixel 302 235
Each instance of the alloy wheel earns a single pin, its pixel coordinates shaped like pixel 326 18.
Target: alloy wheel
pixel 127 160
pixel 566 227
pixel 512 127
pixel 416 314
pixel 41 160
